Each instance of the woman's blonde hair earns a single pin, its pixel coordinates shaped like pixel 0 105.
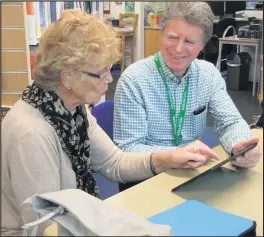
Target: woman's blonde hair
pixel 76 40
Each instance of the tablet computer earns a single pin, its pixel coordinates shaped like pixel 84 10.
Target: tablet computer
pixel 216 166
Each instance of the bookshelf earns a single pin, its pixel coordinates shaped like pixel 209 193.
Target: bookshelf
pixel 16 74
pixel 22 26
pixel 41 14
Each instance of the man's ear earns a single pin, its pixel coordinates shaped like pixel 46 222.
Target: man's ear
pixel 202 47
pixel 65 77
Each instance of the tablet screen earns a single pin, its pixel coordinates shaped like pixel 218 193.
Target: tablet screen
pixel 216 166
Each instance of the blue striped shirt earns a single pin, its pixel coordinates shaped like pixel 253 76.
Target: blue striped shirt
pixel 142 119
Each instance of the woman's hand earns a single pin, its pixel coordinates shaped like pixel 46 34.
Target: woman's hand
pixel 193 155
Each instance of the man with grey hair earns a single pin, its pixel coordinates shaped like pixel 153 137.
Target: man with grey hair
pixel 162 101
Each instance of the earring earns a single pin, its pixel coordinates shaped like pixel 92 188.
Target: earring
pixel 68 88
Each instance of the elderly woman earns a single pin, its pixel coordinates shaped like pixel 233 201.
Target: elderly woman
pixel 50 142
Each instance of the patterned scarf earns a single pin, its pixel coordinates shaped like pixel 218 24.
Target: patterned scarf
pixel 71 130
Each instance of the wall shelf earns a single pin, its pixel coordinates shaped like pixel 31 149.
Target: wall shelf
pixel 16 74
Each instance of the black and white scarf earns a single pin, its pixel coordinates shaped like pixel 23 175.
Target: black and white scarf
pixel 71 130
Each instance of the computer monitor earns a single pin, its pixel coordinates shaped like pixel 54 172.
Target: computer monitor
pixel 254 5
pixel 234 6
pixel 259 6
pixel 217 7
pixel 250 5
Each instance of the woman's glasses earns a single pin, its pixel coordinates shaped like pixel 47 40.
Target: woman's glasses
pixel 99 76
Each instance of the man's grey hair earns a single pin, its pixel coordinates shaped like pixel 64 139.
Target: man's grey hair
pixel 194 13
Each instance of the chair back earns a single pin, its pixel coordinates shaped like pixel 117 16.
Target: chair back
pixel 104 114
pixel 128 20
pixel 223 24
pixel 211 49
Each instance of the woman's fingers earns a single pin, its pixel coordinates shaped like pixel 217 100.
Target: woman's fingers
pixel 205 151
pixel 208 153
pixel 196 160
pixel 195 164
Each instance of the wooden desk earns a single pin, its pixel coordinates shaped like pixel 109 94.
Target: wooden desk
pixel 241 41
pixel 228 189
pixel 124 32
pixel 238 19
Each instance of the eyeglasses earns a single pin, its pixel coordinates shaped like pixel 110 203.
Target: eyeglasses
pixel 99 76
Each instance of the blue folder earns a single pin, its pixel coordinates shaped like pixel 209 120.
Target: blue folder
pixel 194 218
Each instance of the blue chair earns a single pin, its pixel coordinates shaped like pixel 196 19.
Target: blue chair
pixel 210 138
pixel 104 113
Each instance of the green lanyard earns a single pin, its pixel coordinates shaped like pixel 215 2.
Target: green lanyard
pixel 177 126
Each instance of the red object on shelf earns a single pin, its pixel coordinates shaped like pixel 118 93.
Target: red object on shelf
pixel 30 9
pixel 158 20
pixel 32 63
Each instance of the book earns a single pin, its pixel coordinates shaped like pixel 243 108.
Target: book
pixel 194 218
pixel 69 5
pixel 53 11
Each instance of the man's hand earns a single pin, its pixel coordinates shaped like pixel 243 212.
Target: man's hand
pixel 251 158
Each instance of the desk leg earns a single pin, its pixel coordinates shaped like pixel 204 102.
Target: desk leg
pixel 218 64
pixel 255 71
pixel 132 49
pixel 123 53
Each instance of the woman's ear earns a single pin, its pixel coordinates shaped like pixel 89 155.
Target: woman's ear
pixel 65 77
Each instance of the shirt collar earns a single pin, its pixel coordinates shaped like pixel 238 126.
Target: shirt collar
pixel 169 75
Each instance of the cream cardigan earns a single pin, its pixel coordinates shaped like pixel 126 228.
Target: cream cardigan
pixel 34 162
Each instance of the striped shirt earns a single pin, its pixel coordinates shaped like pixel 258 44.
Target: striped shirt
pixel 142 120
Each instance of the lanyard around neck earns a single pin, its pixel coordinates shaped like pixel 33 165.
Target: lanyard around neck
pixel 176 124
